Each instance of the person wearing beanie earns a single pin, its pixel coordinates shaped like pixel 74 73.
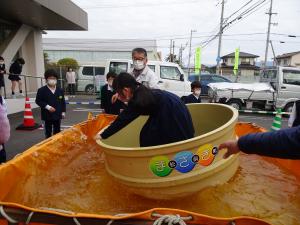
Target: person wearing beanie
pixel 52 102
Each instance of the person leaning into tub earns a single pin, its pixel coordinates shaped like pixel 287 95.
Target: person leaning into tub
pixel 169 119
pixel 283 144
pixel 195 96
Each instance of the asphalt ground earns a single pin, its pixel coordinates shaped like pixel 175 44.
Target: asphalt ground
pixel 22 140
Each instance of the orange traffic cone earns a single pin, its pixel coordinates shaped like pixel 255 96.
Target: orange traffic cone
pixel 28 123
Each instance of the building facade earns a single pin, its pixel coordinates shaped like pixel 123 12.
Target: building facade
pixel 21 26
pixel 289 59
pixel 87 51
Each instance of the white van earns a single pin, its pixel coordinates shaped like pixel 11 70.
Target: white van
pixel 171 76
pixel 90 77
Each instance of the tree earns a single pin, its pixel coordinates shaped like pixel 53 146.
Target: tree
pixel 68 62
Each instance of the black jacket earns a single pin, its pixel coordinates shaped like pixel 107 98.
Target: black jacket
pixel 191 99
pixel 45 97
pixel 106 104
pixel 2 68
pixel 169 122
pixel 297 119
pixel 15 68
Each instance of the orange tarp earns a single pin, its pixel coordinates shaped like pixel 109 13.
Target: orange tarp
pixel 65 176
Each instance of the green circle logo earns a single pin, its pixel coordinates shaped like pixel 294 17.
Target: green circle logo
pixel 159 166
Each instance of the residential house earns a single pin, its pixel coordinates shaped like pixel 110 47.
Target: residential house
pixel 289 59
pixel 247 67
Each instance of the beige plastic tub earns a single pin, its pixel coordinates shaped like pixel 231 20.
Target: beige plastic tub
pixel 177 169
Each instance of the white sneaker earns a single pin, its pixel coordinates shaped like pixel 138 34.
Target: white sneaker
pixel 21 94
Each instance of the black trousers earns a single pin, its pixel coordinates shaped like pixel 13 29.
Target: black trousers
pixel 2 154
pixel 71 89
pixel 51 127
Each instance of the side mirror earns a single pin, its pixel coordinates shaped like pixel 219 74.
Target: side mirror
pixel 181 77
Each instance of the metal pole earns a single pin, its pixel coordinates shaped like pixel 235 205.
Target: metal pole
pixel 60 73
pixel 173 54
pixel 220 38
pixel 190 51
pixel 275 60
pixel 268 34
pixel 25 86
pixel 170 55
pixel 180 55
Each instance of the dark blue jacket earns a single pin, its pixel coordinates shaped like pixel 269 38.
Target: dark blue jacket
pixel 280 144
pixel 297 119
pixel 106 104
pixel 170 121
pixel 45 97
pixel 191 99
pixel 15 68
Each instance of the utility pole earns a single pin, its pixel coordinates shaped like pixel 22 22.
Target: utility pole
pixel 170 55
pixel 173 52
pixel 220 38
pixel 190 51
pixel 180 54
pixel 275 60
pixel 268 34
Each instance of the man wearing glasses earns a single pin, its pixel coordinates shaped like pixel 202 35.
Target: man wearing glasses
pixel 141 72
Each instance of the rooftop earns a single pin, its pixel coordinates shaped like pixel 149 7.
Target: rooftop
pixel 286 55
pixel 45 14
pixel 242 55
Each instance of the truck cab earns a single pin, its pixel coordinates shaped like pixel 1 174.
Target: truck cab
pixel 286 83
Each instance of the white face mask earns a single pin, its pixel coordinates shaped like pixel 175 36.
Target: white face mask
pixel 51 82
pixel 110 83
pixel 138 64
pixel 197 92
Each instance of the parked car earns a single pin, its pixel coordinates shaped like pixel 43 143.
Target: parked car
pixel 90 78
pixel 206 79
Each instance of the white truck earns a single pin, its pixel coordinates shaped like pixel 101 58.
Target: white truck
pixel 171 76
pixel 279 87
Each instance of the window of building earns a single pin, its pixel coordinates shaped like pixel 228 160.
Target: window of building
pixel 285 62
pixel 170 72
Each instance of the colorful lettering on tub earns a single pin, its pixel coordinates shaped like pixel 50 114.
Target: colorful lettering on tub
pixel 207 154
pixel 183 162
pixel 159 166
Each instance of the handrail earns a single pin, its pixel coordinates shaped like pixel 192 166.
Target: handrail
pixel 25 76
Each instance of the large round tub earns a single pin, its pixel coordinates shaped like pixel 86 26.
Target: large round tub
pixel 177 169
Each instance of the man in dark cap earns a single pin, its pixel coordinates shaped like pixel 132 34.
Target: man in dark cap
pixel 52 102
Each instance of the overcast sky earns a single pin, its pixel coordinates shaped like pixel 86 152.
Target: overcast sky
pixel 166 19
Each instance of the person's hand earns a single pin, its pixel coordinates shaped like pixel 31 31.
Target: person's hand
pixel 52 109
pixel 63 115
pixel 232 148
pixel 114 98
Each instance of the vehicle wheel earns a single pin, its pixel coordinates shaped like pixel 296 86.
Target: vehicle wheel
pixel 89 89
pixel 237 104
pixel 288 108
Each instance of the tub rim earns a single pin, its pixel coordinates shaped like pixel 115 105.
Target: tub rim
pixel 184 142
